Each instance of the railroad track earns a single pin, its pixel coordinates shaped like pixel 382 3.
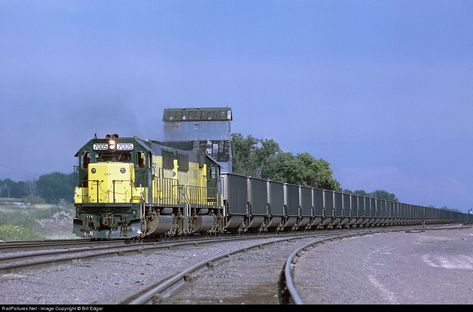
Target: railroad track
pixel 20 261
pixel 184 282
pixel 12 246
pixel 162 291
pixel 289 293
pixel 49 244
pixel 16 261
pixel 287 288
pixel 154 266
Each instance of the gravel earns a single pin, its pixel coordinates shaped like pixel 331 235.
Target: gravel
pixel 427 267
pixel 431 267
pixel 246 278
pixel 105 280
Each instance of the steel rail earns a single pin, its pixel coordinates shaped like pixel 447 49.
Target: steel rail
pixel 113 250
pixel 7 246
pixel 286 284
pixel 288 290
pixel 161 290
pixel 135 244
pixel 116 251
pixel 10 246
pixel 90 248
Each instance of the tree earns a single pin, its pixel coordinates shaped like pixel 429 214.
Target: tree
pixel 10 188
pixel 242 150
pixel 264 159
pixel 451 209
pixel 56 186
pixel 284 167
pixel 361 193
pixel 381 194
pixel 268 149
pixel 251 155
pixel 318 173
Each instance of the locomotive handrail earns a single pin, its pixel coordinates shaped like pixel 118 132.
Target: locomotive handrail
pixel 165 190
pixel 199 195
pixel 96 181
pixel 93 181
pixel 170 192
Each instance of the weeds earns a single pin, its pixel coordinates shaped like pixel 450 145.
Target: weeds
pixel 9 232
pixel 24 222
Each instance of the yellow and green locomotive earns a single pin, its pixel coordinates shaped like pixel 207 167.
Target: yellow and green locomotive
pixel 129 187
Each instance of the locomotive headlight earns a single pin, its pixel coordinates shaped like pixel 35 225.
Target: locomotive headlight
pixel 111 144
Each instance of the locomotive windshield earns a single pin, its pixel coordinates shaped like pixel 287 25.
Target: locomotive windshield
pixel 109 149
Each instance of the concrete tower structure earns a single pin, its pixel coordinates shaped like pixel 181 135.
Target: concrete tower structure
pixel 205 130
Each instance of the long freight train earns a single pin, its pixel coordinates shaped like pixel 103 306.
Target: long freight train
pixel 129 187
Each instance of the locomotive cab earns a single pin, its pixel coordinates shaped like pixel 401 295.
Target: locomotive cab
pixel 111 184
pixel 110 171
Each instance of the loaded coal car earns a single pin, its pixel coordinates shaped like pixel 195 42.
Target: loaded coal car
pixel 129 187
pixel 254 204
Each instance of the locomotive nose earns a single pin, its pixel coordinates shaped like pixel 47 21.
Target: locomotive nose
pixel 111 182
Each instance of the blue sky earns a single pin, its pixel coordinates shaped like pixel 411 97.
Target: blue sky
pixel 383 90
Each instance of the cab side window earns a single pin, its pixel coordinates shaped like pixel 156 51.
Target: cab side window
pixel 85 165
pixel 140 159
pixel 85 160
